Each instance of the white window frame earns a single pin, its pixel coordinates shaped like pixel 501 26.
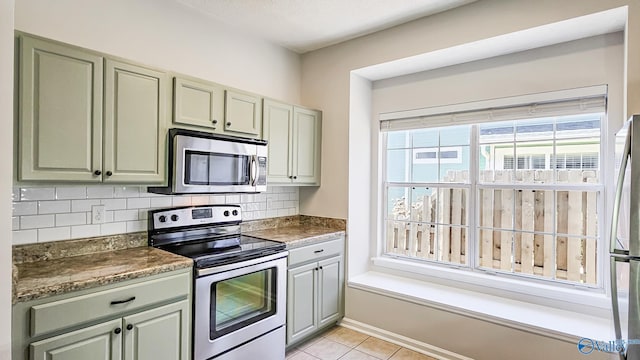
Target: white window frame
pixel 530 289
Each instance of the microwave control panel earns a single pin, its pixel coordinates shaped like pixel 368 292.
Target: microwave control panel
pixel 262 171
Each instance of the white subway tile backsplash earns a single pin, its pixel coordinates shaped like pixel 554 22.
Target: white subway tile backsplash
pixel 54 234
pixel 71 219
pixel 100 192
pixel 217 199
pixel 82 231
pixel 65 211
pixel 200 200
pixel 160 202
pixel 71 193
pixel 181 200
pixel 30 194
pixel 114 204
pixel 37 221
pixel 232 199
pixel 25 208
pixel 127 191
pixel 24 237
pixel 138 203
pixel 54 207
pixel 133 226
pixel 83 205
pixel 113 228
pixel 125 215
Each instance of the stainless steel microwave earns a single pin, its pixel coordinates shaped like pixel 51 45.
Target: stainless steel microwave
pixel 204 163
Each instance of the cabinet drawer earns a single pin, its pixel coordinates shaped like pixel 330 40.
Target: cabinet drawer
pixel 316 251
pixel 62 314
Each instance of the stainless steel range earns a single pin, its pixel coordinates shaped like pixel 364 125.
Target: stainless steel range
pixel 240 281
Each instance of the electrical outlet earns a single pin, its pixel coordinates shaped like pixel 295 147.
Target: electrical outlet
pixel 97 214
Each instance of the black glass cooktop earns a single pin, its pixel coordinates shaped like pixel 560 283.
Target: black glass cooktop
pixel 225 250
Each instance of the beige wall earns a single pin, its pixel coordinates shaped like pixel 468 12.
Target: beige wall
pixel 167 35
pixel 6 141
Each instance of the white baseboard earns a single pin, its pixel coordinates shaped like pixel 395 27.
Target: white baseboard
pixel 403 341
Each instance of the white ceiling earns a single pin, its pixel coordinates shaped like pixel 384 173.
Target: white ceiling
pixel 306 25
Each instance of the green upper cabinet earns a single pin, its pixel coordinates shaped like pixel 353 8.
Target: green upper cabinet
pixel 60 109
pixel 207 106
pixel 278 130
pixel 243 113
pixel 134 123
pixel 67 133
pixel 198 103
pixel 294 136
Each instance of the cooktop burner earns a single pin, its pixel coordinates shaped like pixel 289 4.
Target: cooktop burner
pixel 210 235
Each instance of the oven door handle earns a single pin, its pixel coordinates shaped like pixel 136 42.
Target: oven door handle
pixel 254 169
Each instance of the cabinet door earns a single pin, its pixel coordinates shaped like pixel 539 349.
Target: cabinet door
pixel 98 342
pixel 60 114
pixel 307 132
pixel 135 124
pixel 278 130
pixel 198 103
pixel 158 334
pixel 330 284
pixel 243 114
pixel 301 302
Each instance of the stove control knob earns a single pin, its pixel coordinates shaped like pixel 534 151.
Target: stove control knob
pixel 226 213
pixel 235 212
pixel 162 218
pixel 174 217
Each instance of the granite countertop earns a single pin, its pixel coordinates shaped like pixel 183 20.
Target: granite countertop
pixel 298 235
pixel 47 269
pixel 39 279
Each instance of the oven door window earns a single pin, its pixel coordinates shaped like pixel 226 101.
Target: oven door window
pixel 241 301
pixel 205 168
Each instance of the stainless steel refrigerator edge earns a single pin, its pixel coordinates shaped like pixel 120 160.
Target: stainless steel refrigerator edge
pixel 625 240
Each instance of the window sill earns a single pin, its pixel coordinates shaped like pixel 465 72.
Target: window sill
pixel 544 320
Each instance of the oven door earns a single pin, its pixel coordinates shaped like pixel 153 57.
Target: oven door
pixel 204 165
pixel 237 303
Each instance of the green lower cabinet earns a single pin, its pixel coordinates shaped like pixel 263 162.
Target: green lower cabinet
pixel 314 298
pixel 98 342
pixel 158 334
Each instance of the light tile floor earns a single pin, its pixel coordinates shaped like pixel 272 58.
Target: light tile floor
pixel 346 344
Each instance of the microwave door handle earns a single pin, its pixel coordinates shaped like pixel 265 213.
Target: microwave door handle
pixel 254 169
pixel 613 235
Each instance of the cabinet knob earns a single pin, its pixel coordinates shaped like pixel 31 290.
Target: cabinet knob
pixel 229 123
pixel 295 177
pixel 97 173
pixel 109 173
pixel 117 331
pixel 215 121
pixel 130 327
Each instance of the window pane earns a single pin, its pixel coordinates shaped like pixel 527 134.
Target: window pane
pixel 398 207
pixel 496 162
pixel 576 213
pixel 455 135
pixel 497 132
pixel 423 204
pixel 451 244
pixel 398 165
pixel 535 129
pixel 425 138
pixel 398 140
pixel 576 259
pixel 454 164
pixel 425 165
